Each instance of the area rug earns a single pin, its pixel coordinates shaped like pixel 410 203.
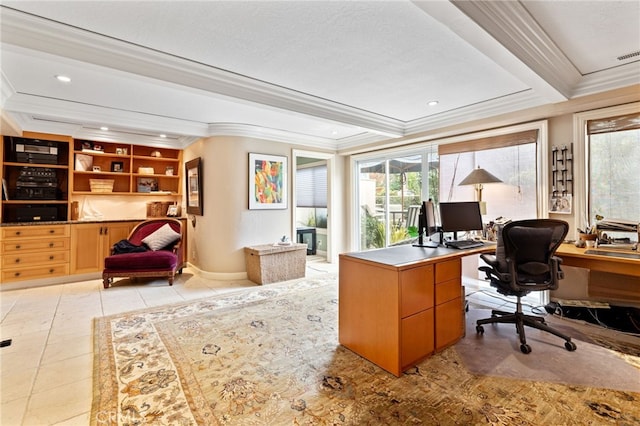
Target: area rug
pixel 270 356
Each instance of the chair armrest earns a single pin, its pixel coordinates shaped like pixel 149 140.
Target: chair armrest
pixel 490 259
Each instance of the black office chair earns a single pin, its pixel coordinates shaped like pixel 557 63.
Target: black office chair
pixel 525 262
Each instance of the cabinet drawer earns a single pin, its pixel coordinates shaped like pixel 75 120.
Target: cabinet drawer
pixel 19 246
pixel 449 324
pixel 35 231
pixel 448 270
pixel 21 260
pixel 417 338
pixel 416 290
pixel 35 272
pixel 448 290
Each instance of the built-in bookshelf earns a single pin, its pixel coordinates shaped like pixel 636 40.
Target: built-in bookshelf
pixel 122 169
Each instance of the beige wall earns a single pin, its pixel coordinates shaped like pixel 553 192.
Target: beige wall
pixel 217 241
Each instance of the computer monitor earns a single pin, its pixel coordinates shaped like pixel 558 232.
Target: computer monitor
pixel 460 216
pixel 426 224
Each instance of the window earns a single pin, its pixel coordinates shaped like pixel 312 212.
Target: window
pixel 512 158
pixel 387 188
pixel 613 146
pixel 389 183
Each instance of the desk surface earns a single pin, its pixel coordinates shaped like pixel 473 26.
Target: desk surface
pixel 408 255
pixel 613 262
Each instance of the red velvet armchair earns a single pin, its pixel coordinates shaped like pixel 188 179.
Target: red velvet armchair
pixel 157 252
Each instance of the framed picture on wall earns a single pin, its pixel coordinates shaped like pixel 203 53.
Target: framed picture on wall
pixel 267 181
pixel 193 172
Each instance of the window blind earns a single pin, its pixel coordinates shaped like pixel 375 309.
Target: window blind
pixel 613 124
pixel 311 187
pixel 502 141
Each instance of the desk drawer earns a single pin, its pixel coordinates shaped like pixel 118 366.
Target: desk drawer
pixel 448 270
pixel 19 246
pixel 416 290
pixel 22 260
pixel 35 231
pixel 447 290
pixel 34 273
pixel 448 323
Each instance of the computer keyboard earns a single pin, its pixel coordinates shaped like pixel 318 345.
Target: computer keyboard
pixel 463 244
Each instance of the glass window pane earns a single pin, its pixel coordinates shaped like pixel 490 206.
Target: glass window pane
pixel 514 198
pixel 614 186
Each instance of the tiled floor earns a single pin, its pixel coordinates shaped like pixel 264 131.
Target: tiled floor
pixel 46 372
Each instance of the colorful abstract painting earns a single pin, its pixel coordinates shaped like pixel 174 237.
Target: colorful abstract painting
pixel 267 181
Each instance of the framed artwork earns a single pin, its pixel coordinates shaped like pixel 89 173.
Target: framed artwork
pixel 267 181
pixel 561 204
pixel 193 172
pixel 147 184
pixel 172 210
pixel 117 166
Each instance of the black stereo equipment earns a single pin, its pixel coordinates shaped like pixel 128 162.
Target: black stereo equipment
pixel 37 183
pixel 32 213
pixel 34 151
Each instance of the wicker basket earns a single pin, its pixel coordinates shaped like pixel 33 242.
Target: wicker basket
pixel 101 185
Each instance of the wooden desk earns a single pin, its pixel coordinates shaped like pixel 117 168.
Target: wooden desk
pixel 574 256
pixel 614 279
pixel 399 305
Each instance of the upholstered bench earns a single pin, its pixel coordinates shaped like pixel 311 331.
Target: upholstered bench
pixel 160 238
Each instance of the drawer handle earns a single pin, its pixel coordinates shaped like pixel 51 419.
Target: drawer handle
pixel 52 231
pixel 18 247
pixel 17 233
pixel 51 244
pixel 18 260
pixel 50 257
pixel 17 274
pixel 51 271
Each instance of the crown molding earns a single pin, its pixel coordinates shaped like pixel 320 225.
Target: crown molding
pixel 276 135
pixel 513 27
pixel 506 104
pixel 37 33
pixel 6 89
pixel 610 79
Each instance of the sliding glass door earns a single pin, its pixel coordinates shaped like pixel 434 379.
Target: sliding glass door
pixel 388 189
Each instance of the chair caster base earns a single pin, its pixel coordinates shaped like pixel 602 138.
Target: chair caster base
pixel 570 346
pixel 479 329
pixel 525 349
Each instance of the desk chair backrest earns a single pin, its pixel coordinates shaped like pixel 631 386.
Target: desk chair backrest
pixel 413 216
pixel 529 248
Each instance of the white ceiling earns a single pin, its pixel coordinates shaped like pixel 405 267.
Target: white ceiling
pixel 330 74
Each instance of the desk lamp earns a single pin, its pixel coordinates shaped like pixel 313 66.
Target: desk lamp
pixel 477 177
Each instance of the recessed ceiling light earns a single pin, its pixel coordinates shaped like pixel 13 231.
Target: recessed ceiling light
pixel 104 128
pixel 163 135
pixel 433 103
pixel 63 78
pixel 335 132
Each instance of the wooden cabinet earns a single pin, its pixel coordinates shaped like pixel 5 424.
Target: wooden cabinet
pixel 124 169
pixel 35 177
pixel 397 306
pixel 31 252
pixel 92 242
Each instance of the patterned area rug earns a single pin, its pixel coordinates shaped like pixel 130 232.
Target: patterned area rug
pixel 270 356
